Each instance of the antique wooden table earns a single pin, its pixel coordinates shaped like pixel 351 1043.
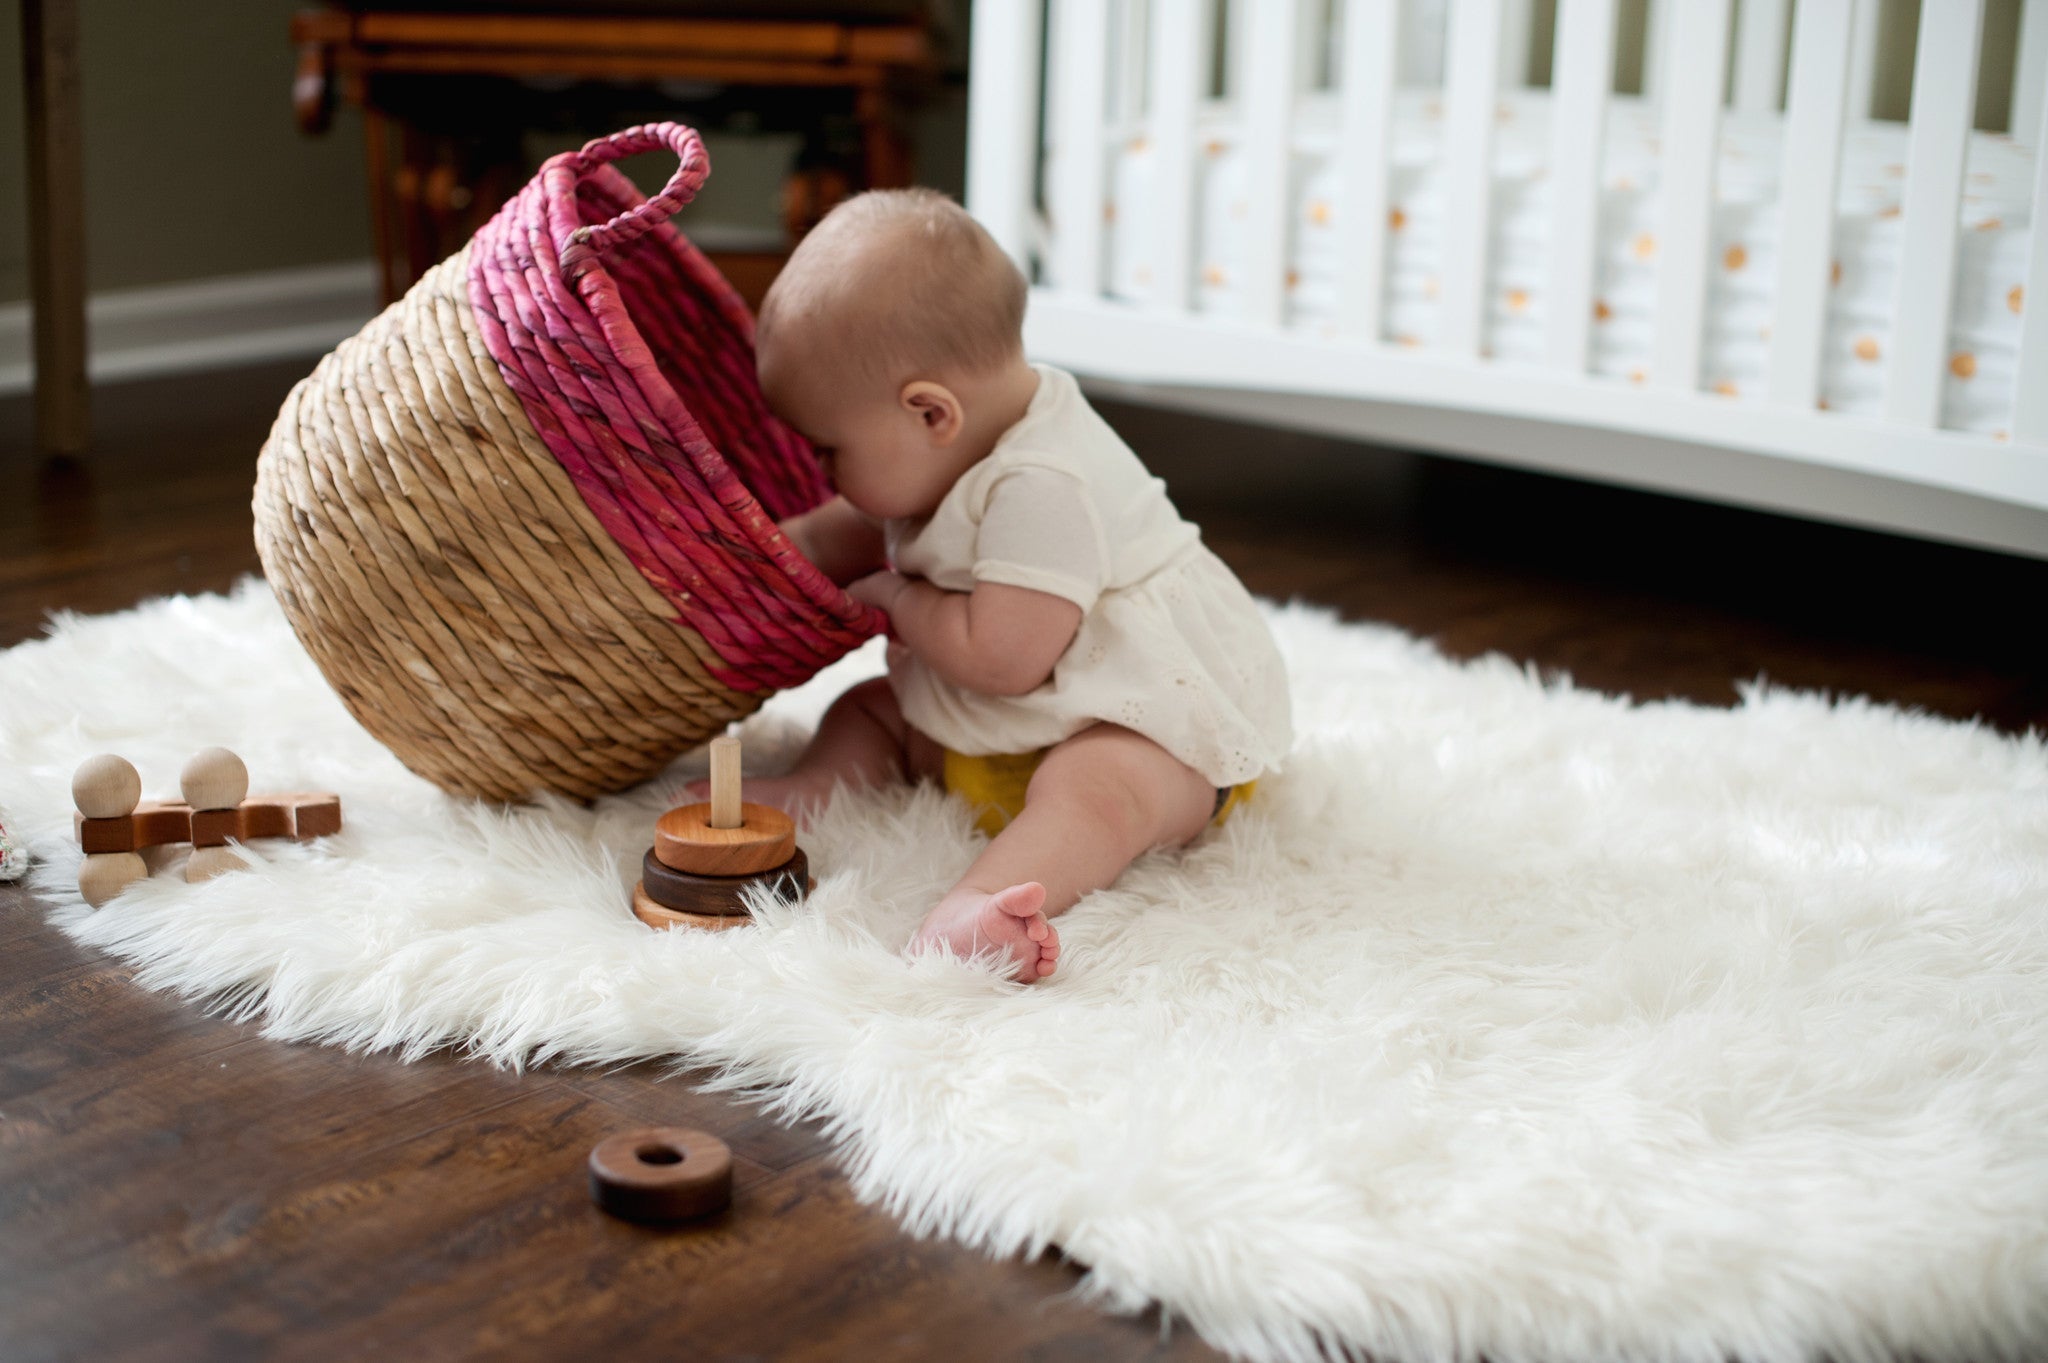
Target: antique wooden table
pixel 447 87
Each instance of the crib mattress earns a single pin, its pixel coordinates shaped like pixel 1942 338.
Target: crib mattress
pixel 1990 266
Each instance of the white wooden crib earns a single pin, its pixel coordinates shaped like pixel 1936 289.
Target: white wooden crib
pixel 1353 216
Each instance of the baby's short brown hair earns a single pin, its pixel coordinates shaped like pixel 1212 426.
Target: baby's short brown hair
pixel 908 281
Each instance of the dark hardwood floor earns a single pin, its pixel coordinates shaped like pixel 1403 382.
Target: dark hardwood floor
pixel 174 1186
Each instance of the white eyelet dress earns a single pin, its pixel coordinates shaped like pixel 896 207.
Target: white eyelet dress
pixel 1170 643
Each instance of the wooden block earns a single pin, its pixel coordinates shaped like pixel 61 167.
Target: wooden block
pixel 720 895
pixel 266 816
pixel 294 814
pixel 106 787
pixel 106 874
pixel 208 862
pixel 316 816
pixel 655 916
pixel 685 840
pixel 159 823
pixel 105 835
pixel 213 827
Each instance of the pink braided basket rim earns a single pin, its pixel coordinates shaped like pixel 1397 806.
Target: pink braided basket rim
pixel 545 285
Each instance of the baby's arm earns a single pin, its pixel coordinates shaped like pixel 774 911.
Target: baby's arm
pixel 843 543
pixel 997 639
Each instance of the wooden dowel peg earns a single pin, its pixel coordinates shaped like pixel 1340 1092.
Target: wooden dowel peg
pixel 725 782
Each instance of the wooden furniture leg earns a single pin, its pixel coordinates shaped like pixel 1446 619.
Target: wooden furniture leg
pixel 416 234
pixel 884 148
pixel 56 226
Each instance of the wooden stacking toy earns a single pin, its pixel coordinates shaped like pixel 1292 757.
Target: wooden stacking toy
pixel 115 824
pixel 705 855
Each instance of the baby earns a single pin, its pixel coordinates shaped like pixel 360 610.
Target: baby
pixel 1066 653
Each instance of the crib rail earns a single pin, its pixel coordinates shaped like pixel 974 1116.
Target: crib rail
pixel 1702 62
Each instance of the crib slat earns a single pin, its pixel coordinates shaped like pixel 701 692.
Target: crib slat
pixel 1813 155
pixel 1130 21
pixel 1863 38
pixel 1080 37
pixel 1372 49
pixel 1471 80
pixel 1178 29
pixel 1269 111
pixel 1002 121
pixel 1759 54
pixel 1697 47
pixel 2030 409
pixel 1944 99
pixel 1517 32
pixel 2029 71
pixel 1580 77
pixel 1237 46
pixel 1311 36
pixel 1654 18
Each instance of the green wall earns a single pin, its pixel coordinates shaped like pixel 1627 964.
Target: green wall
pixel 193 164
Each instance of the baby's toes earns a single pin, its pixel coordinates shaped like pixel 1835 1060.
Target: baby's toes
pixel 1048 953
pixel 1021 901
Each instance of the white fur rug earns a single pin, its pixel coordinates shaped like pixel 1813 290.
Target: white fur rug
pixel 1512 1020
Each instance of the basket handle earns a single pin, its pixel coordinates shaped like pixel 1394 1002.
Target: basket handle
pixel 680 189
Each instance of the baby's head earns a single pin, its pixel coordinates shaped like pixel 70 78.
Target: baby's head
pixel 893 341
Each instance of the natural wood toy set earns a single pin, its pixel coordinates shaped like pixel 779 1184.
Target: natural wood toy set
pixel 115 824
pixel 705 855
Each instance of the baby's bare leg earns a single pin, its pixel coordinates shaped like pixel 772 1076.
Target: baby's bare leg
pixel 862 741
pixel 1098 802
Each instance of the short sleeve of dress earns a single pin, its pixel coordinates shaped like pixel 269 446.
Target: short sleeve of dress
pixel 1040 530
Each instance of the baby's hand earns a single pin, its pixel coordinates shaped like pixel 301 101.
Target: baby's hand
pixel 843 543
pixel 879 590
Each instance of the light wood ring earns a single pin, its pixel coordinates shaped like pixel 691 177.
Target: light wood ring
pixel 656 916
pixel 685 840
pixel 663 1173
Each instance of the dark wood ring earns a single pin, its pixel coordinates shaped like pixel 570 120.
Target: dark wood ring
pixel 716 895
pixel 663 1173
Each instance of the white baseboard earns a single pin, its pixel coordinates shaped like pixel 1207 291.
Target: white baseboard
pixel 205 324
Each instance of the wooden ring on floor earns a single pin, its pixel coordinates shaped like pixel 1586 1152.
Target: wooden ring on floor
pixel 685 840
pixel 679 890
pixel 664 1173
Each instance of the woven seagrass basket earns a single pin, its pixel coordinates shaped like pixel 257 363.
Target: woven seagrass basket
pixel 525 520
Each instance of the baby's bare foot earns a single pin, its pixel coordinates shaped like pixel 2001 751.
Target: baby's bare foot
pixel 800 797
pixel 1008 921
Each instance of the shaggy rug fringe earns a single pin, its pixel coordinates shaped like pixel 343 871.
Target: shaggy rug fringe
pixel 1511 1021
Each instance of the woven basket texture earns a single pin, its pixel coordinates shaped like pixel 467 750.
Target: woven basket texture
pixel 524 521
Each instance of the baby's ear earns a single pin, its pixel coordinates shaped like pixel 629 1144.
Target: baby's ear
pixel 935 407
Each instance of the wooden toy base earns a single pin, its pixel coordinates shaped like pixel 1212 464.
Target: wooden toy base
pixel 303 815
pixel 655 916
